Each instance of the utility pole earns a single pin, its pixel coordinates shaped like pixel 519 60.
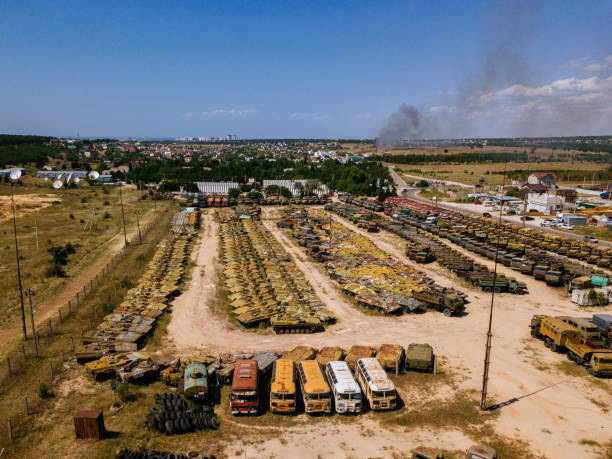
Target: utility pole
pixel 138 224
pixel 123 217
pixel 36 230
pixel 29 292
pixel 23 319
pixel 487 361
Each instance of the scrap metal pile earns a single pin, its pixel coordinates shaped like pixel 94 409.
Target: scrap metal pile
pixel 374 278
pixel 265 286
pixel 126 327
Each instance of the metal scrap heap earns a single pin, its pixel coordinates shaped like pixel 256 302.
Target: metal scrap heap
pixel 265 286
pixel 374 278
pixel 125 328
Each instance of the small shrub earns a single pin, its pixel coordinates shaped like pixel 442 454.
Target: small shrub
pixel 42 390
pixel 125 393
pixel 55 271
pixel 106 203
pixel 83 200
pixel 106 216
pixel 81 221
pixel 71 216
pixel 126 282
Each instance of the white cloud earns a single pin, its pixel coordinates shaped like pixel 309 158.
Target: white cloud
pixel 591 64
pixel 364 116
pixel 310 116
pixel 230 112
pixel 569 106
pixel 188 115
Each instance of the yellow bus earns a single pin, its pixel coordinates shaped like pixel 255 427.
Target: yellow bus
pixel 315 390
pixel 375 384
pixel 282 389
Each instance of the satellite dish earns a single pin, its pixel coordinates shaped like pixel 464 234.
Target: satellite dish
pixel 15 174
pixel 57 184
pixel 46 179
pixel 76 180
pixel 94 175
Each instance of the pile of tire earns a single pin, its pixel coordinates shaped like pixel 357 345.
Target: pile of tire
pixel 168 415
pixel 125 453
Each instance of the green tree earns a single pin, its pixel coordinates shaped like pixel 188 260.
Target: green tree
pixel 233 193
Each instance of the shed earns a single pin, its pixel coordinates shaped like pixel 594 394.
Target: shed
pixel 89 424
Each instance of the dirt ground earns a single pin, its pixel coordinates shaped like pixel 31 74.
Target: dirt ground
pixel 554 412
pixel 25 203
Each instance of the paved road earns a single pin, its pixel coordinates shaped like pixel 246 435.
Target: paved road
pixel 409 192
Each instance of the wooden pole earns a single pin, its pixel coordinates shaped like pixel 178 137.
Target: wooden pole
pixel 23 321
pixel 25 399
pixel 72 343
pixel 36 230
pixel 10 429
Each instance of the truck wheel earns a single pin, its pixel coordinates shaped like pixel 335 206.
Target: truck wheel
pixel 591 371
pixel 555 348
pixel 548 343
pixel 447 312
pixel 534 333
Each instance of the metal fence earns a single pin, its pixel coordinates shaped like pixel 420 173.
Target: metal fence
pixel 31 349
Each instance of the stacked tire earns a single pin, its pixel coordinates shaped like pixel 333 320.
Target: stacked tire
pixel 168 415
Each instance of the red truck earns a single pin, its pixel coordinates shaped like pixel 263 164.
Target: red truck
pixel 244 396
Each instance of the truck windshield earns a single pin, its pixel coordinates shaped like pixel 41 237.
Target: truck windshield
pixel 282 396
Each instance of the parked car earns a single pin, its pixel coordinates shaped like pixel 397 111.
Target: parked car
pixel 567 226
pixel 486 214
pixel 590 239
pixel 545 223
pixel 528 218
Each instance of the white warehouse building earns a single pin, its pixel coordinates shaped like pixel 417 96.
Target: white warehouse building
pixel 545 203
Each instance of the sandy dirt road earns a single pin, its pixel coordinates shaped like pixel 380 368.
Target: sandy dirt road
pixel 550 410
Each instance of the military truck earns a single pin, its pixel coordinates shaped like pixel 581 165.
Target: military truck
pixel 391 356
pixel 597 360
pixel 448 303
pixel 556 333
pixel 420 357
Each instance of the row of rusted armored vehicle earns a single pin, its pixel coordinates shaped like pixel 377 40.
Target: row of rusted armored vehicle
pixel 363 271
pixel 265 287
pixel 125 329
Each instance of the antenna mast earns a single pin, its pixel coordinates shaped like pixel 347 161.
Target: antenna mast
pixel 487 361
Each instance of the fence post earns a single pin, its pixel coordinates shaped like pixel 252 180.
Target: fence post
pixel 8 361
pixel 23 349
pixel 69 307
pixel 59 314
pixel 50 327
pixel 10 429
pixel 26 405
pixel 62 356
pixel 72 342
pixel 77 296
pixel 81 333
pixel 51 368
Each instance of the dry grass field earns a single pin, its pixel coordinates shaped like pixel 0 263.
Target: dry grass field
pixel 493 174
pixel 61 217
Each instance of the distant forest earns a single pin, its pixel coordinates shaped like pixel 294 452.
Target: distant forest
pixel 20 150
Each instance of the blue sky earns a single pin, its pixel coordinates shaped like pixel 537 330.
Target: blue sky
pixel 304 69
